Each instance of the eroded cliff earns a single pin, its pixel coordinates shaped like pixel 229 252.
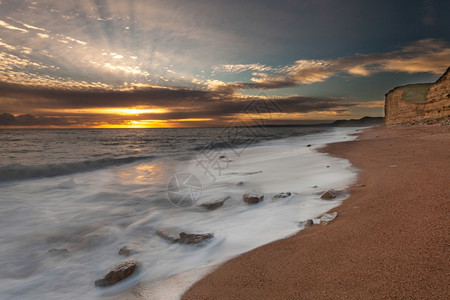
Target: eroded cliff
pixel 426 103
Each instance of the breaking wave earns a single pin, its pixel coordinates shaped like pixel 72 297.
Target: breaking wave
pixel 13 172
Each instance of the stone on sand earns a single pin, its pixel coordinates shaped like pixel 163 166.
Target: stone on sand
pixel 328 195
pixel 327 218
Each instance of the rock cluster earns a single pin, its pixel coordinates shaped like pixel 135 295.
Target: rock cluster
pixel 174 235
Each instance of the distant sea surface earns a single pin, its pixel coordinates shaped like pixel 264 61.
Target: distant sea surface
pixel 70 199
pixel 37 153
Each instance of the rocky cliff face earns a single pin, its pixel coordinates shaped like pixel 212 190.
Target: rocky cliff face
pixel 419 103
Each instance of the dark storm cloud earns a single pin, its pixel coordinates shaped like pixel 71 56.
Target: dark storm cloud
pixel 7 119
pixel 61 98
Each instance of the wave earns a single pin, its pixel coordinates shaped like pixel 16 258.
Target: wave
pixel 13 172
pixel 226 145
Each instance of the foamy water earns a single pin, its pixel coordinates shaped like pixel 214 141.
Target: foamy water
pixel 94 213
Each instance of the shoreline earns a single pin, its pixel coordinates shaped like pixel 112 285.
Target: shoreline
pixel 389 239
pixel 268 221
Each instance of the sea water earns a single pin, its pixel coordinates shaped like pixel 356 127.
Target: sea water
pixel 87 193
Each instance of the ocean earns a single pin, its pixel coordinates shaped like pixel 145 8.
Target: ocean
pixel 71 198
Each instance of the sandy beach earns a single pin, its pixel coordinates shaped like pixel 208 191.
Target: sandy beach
pixel 390 239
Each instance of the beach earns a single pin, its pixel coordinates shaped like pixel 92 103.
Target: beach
pixel 68 214
pixel 389 240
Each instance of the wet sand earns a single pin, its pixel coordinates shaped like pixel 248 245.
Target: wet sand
pixel 390 239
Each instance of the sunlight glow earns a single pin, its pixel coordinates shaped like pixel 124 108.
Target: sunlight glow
pixel 138 124
pixel 137 110
pixel 134 110
pixel 172 123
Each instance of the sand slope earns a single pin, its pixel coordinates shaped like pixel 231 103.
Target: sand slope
pixel 390 239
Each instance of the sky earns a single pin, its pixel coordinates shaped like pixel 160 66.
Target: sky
pixel 194 63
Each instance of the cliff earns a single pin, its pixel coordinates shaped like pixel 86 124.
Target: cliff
pixel 365 121
pixel 425 103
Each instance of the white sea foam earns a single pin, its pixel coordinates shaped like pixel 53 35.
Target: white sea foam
pixel 94 214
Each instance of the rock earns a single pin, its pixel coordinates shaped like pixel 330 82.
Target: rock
pixel 281 195
pixel 328 195
pixel 119 273
pixel 169 234
pixel 252 198
pixel 307 223
pixel 327 218
pixel 214 204
pixel 224 158
pixel 309 145
pixel 126 251
pixel 240 183
pixel 194 238
pixel 57 251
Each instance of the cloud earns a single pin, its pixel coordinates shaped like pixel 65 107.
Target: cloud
pixel 427 55
pixel 26 25
pixel 43 35
pixel 307 71
pixel 75 40
pixel 177 103
pixel 241 68
pixel 11 27
pixel 7 119
pixel 9 47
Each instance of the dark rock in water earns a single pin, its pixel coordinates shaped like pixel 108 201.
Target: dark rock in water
pixel 222 157
pixel 328 195
pixel 252 198
pixel 194 238
pixel 327 218
pixel 240 183
pixel 126 251
pixel 309 145
pixel 307 223
pixel 119 273
pixel 214 204
pixel 281 195
pixel 58 251
pixel 315 187
pixel 169 234
pixel 328 166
